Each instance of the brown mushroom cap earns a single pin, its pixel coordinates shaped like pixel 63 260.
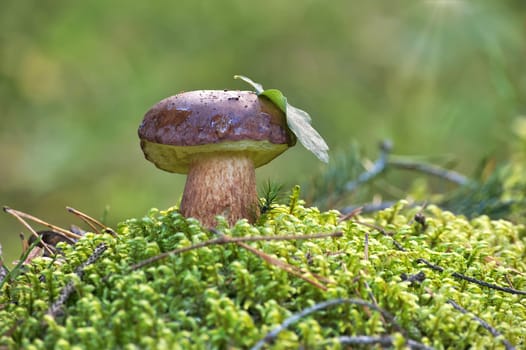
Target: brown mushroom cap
pixel 182 127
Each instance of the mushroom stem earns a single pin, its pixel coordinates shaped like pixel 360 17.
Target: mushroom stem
pixel 223 184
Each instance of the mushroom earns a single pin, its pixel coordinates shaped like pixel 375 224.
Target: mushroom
pixel 218 138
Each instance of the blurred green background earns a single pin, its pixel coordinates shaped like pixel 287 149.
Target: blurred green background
pixel 434 76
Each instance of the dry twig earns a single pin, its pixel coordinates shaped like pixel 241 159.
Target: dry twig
pixel 483 323
pixel 385 340
pixel 471 279
pixel 272 335
pixel 21 215
pixel 383 231
pixel 383 162
pixel 56 308
pixel 91 222
pixel 224 239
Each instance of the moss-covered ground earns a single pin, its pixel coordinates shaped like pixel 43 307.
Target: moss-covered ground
pixel 425 282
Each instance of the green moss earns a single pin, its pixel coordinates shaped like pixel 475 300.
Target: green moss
pixel 223 296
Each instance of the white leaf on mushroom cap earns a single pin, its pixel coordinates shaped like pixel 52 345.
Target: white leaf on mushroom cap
pixel 298 120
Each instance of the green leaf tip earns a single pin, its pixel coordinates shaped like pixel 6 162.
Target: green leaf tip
pixel 256 86
pixel 298 120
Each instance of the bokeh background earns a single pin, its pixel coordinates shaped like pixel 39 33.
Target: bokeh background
pixel 434 76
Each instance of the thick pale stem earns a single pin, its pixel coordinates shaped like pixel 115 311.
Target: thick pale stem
pixel 224 185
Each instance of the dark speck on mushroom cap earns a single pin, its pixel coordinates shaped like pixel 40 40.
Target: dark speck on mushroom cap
pixel 191 124
pixel 212 116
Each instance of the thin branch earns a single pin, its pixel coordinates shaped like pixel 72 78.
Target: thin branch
pixel 364 271
pixel 164 255
pixel 383 162
pixel 24 223
pixel 369 207
pixel 471 279
pixel 88 222
pixel 223 240
pixel 350 214
pixel 494 332
pixel 273 334
pixel 56 308
pixel 372 297
pixel 366 247
pixel 378 167
pixel 91 222
pixel 57 229
pixel 293 270
pixel 431 169
pixel 383 231
pixel 385 341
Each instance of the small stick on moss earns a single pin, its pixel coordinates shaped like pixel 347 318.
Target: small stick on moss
pixel 56 308
pixel 19 215
pixel 366 247
pixel 273 334
pixel 384 341
pixel 223 240
pixel 24 223
pixel 382 231
pixel 494 332
pixel 91 222
pixel 471 279
pixel 508 280
pixel 370 294
pixel 293 270
pixel 88 222
pixel 354 212
pixel 363 272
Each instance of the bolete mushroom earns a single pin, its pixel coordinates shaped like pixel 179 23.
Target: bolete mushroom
pixel 218 138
